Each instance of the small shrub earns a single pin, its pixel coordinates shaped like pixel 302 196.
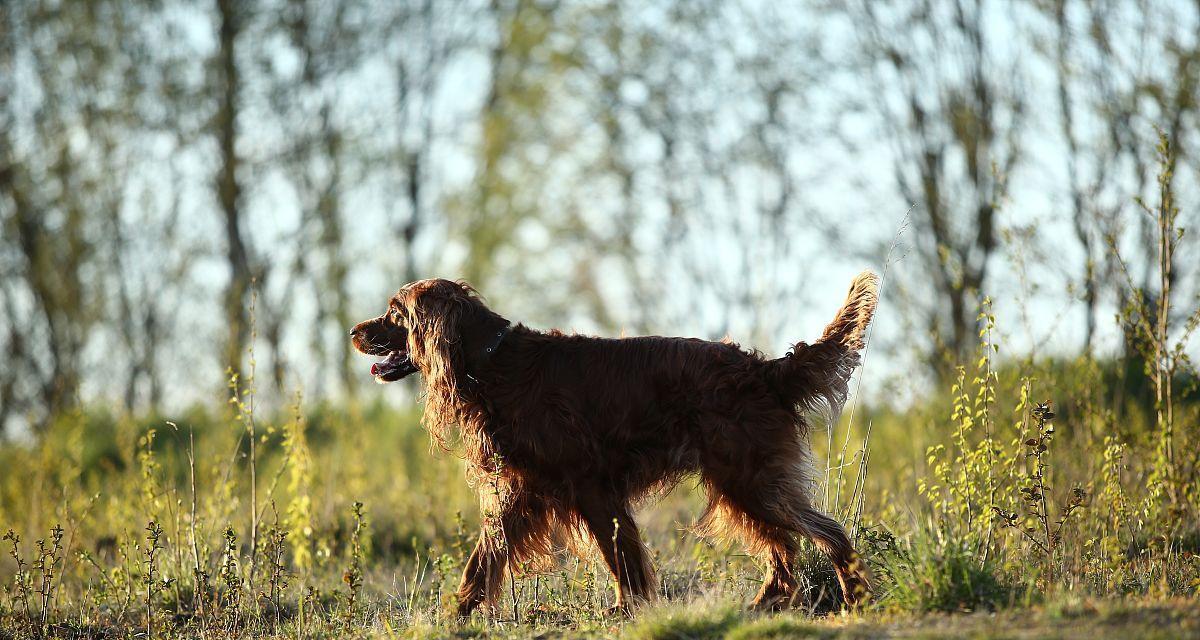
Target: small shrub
pixel 935 572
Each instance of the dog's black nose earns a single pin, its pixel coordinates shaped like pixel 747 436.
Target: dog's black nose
pixel 354 332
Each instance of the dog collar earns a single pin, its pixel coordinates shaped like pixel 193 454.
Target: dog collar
pixel 496 340
pixel 491 347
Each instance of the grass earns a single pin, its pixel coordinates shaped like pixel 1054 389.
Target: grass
pixel 1067 619
pixel 123 527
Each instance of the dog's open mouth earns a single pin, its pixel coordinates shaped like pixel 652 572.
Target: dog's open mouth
pixel 394 367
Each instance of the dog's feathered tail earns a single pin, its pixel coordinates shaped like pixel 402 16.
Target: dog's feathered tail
pixel 849 328
pixel 816 377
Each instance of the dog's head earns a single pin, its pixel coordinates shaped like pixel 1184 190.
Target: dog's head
pixel 387 337
pixel 437 327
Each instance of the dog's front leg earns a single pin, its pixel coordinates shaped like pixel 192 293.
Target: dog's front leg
pixel 482 577
pixel 512 535
pixel 611 524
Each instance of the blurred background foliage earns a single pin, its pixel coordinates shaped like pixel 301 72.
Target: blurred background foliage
pixel 169 169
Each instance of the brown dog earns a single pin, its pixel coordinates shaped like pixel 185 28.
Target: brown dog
pixel 563 433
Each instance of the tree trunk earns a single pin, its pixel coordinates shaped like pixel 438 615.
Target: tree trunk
pixel 228 187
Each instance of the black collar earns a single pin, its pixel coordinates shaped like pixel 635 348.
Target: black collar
pixel 494 343
pixel 491 347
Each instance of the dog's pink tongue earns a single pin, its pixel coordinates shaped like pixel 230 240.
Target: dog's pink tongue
pixel 375 369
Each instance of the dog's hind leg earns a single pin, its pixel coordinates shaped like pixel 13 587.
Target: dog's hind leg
pixel 762 503
pixel 519 532
pixel 831 539
pixel 774 545
pixel 611 525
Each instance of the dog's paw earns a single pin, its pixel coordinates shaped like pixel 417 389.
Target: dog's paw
pixel 856 586
pixel 622 610
pixel 773 596
pixel 770 604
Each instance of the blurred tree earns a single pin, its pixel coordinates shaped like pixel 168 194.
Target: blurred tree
pixel 658 146
pixel 341 142
pixel 327 40
pixel 61 178
pixel 231 16
pixel 1120 73
pixel 522 68
pixel 720 92
pixel 93 262
pixel 1124 76
pixel 422 40
pixel 1091 222
pixel 951 103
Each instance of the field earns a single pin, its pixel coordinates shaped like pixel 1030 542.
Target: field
pixel 1018 503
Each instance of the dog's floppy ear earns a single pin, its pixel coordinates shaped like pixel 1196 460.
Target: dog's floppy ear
pixel 435 342
pixel 435 310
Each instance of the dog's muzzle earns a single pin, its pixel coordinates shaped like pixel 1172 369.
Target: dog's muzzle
pixel 395 366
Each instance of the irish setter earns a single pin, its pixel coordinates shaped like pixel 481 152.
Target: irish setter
pixel 564 433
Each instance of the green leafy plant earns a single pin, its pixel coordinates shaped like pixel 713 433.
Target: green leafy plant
pixel 1033 518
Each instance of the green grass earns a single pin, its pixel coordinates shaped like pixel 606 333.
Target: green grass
pixel 924 509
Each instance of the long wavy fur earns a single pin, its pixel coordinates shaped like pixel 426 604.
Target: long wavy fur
pixel 563 434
